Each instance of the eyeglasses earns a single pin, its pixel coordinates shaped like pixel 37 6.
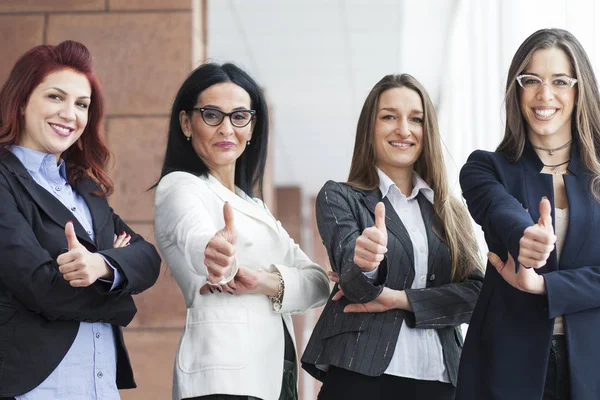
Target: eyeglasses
pixel 214 117
pixel 557 84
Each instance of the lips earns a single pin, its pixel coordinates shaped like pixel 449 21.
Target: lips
pixel 401 145
pixel 61 130
pixel 226 145
pixel 544 113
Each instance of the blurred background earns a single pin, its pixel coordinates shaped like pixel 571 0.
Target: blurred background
pixel 317 61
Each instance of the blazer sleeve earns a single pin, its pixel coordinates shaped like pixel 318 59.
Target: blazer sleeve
pixel 29 272
pixel 572 290
pixel 139 262
pixel 445 305
pixel 306 283
pixel 339 228
pixel 491 205
pixel 182 219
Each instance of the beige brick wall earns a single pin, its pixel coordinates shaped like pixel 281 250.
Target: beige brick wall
pixel 143 52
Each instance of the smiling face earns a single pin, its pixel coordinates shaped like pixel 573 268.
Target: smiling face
pixel 218 146
pixel 56 113
pixel 548 113
pixel 399 129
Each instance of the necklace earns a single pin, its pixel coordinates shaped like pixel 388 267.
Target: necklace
pixel 559 173
pixel 557 165
pixel 551 151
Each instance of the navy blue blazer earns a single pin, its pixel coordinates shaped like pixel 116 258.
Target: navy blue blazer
pixel 39 311
pixel 507 347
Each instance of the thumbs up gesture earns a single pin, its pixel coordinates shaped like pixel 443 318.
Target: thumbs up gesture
pixel 371 245
pixel 80 267
pixel 219 256
pixel 538 240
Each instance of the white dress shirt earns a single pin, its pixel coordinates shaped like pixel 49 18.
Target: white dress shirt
pixel 418 353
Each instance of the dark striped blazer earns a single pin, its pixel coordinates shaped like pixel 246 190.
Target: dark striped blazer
pixel 365 342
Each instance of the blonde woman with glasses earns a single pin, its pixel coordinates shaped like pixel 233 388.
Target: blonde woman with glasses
pixel 534 332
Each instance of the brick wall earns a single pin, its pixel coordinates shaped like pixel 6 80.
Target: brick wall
pixel 143 51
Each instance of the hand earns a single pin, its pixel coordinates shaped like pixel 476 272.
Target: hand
pixel 371 245
pixel 78 266
pixel 122 240
pixel 526 280
pixel 219 255
pixel 538 240
pixel 245 281
pixel 389 299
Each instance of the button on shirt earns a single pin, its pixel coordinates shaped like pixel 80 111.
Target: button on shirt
pixel 89 369
pixel 418 353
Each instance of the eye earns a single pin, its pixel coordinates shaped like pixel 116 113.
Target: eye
pixel 531 81
pixel 82 105
pixel 54 96
pixel 560 82
pixel 209 114
pixel 417 120
pixel 389 117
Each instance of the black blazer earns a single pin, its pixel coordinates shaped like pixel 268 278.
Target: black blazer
pixel 364 342
pixel 508 342
pixel 39 311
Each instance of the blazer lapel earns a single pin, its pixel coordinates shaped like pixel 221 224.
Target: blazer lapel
pixel 392 221
pixel 581 208
pixel 96 204
pixel 46 201
pixel 433 241
pixel 245 206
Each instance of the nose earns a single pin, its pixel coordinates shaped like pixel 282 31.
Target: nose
pixel 67 112
pixel 403 129
pixel 226 127
pixel 545 92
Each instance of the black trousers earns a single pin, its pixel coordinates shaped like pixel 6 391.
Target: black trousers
pixel 343 384
pixel 558 382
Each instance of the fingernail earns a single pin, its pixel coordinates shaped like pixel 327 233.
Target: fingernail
pixel 122 233
pixel 230 293
pixel 544 198
pixel 127 244
pixel 233 288
pixel 69 221
pixel 210 290
pixel 219 289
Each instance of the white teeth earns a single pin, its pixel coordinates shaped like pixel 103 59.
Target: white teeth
pixel 401 145
pixel 545 113
pixel 60 128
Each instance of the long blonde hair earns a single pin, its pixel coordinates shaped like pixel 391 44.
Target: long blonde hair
pixel 586 124
pixel 450 212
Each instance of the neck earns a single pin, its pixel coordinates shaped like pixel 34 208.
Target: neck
pixel 225 175
pixel 548 148
pixel 402 177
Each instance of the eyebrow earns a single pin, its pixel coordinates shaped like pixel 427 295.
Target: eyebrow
pixel 219 108
pixel 65 93
pixel 414 111
pixel 553 75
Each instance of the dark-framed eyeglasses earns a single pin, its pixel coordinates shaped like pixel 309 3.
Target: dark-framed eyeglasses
pixel 533 83
pixel 214 117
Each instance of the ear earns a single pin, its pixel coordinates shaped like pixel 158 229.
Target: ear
pixel 186 124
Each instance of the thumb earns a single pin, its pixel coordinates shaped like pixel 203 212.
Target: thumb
pixel 495 261
pixel 72 241
pixel 229 223
pixel 546 214
pixel 380 217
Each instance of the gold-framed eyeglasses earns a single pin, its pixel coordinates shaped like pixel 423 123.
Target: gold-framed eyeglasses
pixel 533 83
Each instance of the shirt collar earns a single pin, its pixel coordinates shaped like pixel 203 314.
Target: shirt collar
pixel 419 185
pixel 37 161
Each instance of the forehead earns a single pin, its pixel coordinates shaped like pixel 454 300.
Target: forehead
pixel 550 61
pixel 401 99
pixel 72 82
pixel 226 95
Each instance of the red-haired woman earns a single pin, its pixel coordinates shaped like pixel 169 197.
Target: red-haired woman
pixel 66 271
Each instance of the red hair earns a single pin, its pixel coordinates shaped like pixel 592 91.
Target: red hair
pixel 86 158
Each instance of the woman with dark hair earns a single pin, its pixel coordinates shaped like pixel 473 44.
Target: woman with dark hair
pixel 534 331
pixel 404 255
pixel 239 271
pixel 66 279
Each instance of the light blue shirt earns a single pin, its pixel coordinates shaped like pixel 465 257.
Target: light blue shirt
pixel 89 369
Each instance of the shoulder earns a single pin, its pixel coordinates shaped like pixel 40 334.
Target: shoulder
pixel 339 189
pixel 180 180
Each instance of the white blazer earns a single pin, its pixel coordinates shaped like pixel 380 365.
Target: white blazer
pixel 231 344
